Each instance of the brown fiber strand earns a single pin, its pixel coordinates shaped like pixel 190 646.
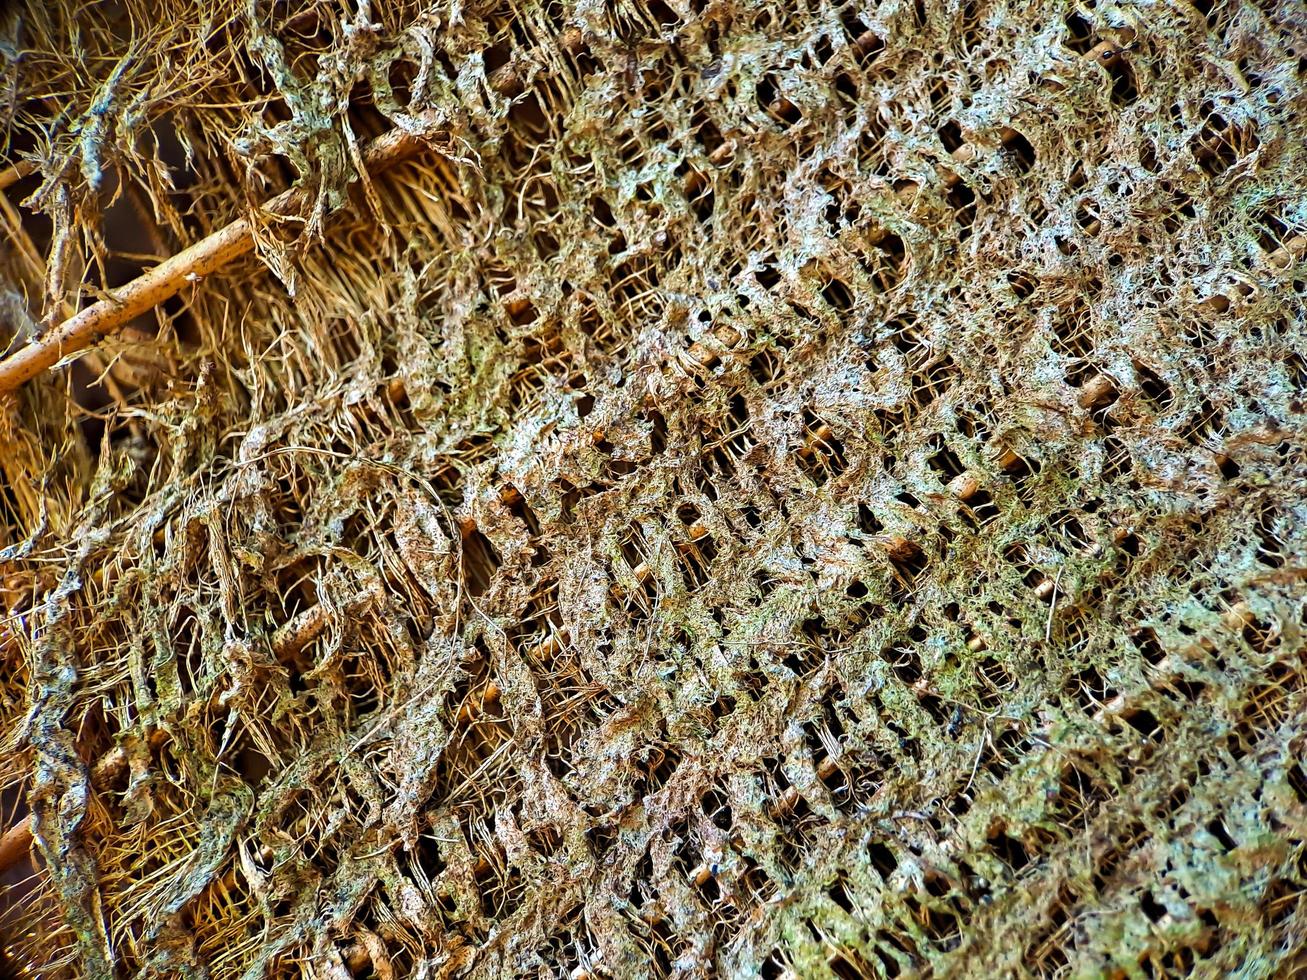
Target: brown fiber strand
pixel 207 256
pixel 780 490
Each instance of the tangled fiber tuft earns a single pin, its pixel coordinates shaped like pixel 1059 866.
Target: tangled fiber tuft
pixel 782 489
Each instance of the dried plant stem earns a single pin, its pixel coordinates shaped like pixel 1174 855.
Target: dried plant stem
pixel 26 248
pixel 14 844
pixel 169 277
pixel 288 641
pixel 15 172
pixel 109 768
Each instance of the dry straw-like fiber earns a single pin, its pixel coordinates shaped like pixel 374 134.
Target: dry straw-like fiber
pixel 674 488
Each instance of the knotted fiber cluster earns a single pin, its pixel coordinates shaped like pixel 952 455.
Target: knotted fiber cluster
pixel 783 489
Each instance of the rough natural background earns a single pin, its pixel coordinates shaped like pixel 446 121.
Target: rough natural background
pixel 784 489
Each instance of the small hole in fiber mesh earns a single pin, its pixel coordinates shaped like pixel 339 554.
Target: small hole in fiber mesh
pixel 838 295
pixel 1079 34
pixel 1146 724
pixel 1151 908
pixel 1009 850
pixel 882 858
pixel 849 964
pixel 1021 152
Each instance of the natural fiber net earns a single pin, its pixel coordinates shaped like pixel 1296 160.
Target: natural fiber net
pixel 770 489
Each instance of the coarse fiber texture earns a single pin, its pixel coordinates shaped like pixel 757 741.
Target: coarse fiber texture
pixel 772 488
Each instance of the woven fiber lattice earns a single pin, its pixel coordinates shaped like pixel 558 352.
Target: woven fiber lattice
pixel 765 489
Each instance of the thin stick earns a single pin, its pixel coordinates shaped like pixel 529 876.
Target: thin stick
pixel 169 277
pixel 110 767
pixel 13 174
pixel 15 843
pixel 287 641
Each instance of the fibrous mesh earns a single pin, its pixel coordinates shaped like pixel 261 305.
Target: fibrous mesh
pixel 771 489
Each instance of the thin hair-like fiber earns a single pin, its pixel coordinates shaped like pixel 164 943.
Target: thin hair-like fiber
pixel 808 489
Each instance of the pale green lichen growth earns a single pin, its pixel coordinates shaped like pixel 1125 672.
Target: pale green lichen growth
pixel 772 490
